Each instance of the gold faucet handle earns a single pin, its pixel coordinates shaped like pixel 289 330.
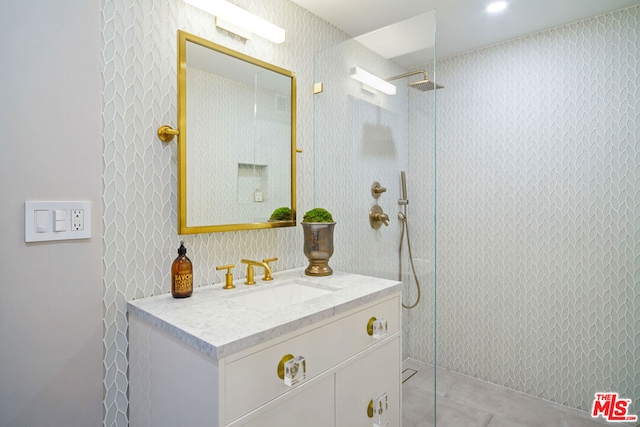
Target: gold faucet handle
pixel 228 277
pixel 267 273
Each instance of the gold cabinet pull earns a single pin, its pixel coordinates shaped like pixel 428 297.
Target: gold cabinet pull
pixel 284 360
pixel 370 409
pixel 378 408
pixel 370 327
pixel 377 328
pixel 292 369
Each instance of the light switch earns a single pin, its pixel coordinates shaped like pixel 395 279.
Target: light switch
pixel 42 221
pixel 59 220
pixel 59 214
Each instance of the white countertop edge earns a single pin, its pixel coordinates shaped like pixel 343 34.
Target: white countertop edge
pixel 225 349
pixel 189 339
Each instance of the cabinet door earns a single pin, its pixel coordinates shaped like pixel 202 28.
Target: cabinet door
pixel 368 378
pixel 313 407
pixel 252 380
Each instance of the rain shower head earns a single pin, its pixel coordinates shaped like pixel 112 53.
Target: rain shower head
pixel 424 85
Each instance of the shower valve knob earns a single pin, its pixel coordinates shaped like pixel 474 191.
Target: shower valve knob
pixel 377 217
pixel 377 189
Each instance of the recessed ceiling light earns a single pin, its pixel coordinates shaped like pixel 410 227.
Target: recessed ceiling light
pixel 497 6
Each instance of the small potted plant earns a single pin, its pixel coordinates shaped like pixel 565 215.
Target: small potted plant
pixel 317 225
pixel 281 214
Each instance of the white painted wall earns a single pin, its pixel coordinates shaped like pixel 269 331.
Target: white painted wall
pixel 51 148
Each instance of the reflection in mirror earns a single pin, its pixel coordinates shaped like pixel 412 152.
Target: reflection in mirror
pixel 237 139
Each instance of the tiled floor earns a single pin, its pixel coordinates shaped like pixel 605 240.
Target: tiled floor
pixel 466 402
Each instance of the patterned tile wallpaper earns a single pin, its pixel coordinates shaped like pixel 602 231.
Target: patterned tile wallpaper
pixel 538 255
pixel 139 94
pixel 361 137
pixel 538 192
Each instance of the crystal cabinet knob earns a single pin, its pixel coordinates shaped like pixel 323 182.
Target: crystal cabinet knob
pixel 377 328
pixel 292 369
pixel 378 410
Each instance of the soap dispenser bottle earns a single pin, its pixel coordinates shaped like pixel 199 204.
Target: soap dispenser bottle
pixel 181 275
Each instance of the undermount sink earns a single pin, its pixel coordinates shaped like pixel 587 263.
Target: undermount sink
pixel 280 295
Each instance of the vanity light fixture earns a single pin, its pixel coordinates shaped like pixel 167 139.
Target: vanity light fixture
pixel 497 6
pixel 372 81
pixel 238 21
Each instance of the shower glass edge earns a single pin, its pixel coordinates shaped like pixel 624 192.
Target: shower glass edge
pixel 362 135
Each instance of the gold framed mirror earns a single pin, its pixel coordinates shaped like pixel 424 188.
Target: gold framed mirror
pixel 236 139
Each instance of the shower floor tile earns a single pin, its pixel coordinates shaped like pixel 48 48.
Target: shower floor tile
pixel 463 401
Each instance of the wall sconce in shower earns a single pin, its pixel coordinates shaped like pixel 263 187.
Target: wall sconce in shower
pixel 372 81
pixel 238 21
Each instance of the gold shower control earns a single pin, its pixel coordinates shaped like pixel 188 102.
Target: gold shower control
pixel 377 189
pixel 377 217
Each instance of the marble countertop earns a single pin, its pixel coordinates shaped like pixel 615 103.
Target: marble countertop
pixel 214 321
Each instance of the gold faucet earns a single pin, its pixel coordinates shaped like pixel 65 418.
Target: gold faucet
pixel 264 264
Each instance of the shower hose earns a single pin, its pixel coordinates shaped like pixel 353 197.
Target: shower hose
pixel 405 228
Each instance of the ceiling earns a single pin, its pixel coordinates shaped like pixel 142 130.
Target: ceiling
pixel 462 25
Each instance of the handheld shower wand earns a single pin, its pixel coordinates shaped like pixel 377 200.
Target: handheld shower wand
pixel 403 200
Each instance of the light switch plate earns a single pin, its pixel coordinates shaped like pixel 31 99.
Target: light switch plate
pixel 58 216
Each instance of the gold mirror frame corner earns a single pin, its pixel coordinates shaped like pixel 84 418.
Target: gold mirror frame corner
pixel 183 228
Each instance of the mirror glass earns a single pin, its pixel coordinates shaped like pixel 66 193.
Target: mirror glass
pixel 236 161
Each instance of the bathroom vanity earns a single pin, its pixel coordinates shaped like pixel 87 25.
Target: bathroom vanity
pixel 295 351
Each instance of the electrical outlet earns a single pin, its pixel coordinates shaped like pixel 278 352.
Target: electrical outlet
pixel 77 219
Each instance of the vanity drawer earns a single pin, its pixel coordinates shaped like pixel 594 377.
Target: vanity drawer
pixel 253 380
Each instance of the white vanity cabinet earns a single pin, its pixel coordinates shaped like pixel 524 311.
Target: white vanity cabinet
pixel 349 363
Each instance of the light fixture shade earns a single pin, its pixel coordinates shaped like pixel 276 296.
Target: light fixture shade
pixel 372 81
pixel 240 19
pixel 232 28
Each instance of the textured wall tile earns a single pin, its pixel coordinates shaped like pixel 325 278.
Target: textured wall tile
pixel 139 95
pixel 538 194
pixel 538 252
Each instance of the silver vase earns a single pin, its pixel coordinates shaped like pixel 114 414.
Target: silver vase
pixel 318 247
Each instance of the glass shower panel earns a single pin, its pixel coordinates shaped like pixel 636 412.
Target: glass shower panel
pixel 368 132
pixel 360 137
